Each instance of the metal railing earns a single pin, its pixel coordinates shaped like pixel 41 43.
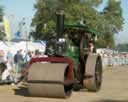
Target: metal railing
pixel 114 60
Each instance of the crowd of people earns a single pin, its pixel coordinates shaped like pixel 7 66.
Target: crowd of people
pixel 114 60
pixel 13 64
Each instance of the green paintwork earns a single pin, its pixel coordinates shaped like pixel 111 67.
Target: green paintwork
pixel 84 27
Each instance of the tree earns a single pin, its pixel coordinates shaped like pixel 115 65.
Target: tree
pixel 122 47
pixel 46 9
pixel 104 22
pixel 1 14
pixel 112 15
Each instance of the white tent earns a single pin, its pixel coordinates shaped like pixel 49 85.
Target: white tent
pixel 27 46
pixel 3 46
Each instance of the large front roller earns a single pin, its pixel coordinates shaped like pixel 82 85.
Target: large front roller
pixel 49 80
pixel 93 72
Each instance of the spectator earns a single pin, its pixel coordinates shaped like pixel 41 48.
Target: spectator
pixel 10 58
pixel 92 47
pixel 28 57
pixel 18 60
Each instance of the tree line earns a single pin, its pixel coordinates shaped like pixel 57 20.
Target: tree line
pixel 1 16
pixel 108 21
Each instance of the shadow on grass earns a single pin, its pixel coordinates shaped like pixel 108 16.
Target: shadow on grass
pixel 110 100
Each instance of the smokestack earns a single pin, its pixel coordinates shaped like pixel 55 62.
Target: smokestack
pixel 60 23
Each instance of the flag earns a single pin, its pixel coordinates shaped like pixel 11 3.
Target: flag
pixel 7 28
pixel 18 34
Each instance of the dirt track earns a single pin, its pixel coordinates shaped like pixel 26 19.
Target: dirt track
pixel 114 89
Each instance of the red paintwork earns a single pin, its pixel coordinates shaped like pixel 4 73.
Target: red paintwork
pixel 57 60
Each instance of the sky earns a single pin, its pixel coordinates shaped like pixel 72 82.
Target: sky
pixel 16 10
pixel 122 37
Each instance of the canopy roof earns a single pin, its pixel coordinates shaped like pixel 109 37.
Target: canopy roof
pixel 81 28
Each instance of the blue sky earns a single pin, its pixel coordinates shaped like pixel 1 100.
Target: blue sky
pixel 123 35
pixel 17 9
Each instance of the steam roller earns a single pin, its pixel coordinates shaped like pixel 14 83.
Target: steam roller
pixel 70 61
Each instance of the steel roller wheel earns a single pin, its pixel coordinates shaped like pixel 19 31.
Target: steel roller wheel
pixel 49 80
pixel 93 73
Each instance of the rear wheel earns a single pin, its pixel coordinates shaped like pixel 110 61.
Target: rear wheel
pixel 93 73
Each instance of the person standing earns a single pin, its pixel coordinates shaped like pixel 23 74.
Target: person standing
pixel 10 58
pixel 18 60
pixel 6 75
